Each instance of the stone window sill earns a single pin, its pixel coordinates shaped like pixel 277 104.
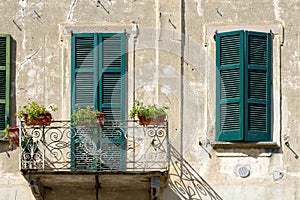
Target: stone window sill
pixel 240 149
pixel 265 145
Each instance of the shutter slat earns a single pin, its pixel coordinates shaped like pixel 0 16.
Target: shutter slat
pixel 112 51
pixel 111 88
pixel 2 51
pixel 230 117
pixel 257 84
pixel 84 74
pixel 2 84
pixel 84 85
pixel 84 53
pixel 257 117
pixel 112 113
pixel 230 87
pixel 257 50
pixel 229 52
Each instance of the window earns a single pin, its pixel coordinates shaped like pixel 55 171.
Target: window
pixel 98 80
pixel 4 82
pixel 244 82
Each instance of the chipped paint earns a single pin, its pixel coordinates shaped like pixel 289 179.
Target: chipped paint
pixel 199 7
pixel 277 11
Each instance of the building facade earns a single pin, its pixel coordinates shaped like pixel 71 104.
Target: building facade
pixel 228 71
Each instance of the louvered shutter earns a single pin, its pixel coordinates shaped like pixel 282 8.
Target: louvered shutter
pixel 84 72
pixel 112 90
pixel 230 81
pixel 84 63
pixel 112 97
pixel 4 82
pixel 258 86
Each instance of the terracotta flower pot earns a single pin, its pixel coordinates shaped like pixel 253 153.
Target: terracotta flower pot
pixel 42 120
pixel 14 135
pixel 159 120
pixel 101 118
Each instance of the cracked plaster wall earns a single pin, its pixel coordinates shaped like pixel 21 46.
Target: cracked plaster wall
pixel 41 31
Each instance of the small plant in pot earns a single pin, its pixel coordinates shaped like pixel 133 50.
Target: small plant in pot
pixel 148 114
pixel 34 114
pixel 87 117
pixel 12 135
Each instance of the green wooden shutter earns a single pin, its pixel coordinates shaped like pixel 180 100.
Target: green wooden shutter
pixel 84 68
pixel 112 75
pixel 258 63
pixel 112 98
pixel 4 82
pixel 230 81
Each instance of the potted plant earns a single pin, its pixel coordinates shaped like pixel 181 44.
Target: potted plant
pixel 148 115
pixel 12 135
pixel 87 117
pixel 34 114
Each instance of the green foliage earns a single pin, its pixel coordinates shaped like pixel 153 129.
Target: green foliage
pixel 14 138
pixel 149 111
pixel 85 117
pixel 33 110
pixel 29 144
pixel 7 136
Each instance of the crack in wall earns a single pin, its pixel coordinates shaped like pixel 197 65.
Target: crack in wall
pixel 28 59
pixel 71 10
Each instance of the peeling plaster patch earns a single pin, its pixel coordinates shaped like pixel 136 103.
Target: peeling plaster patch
pixel 22 3
pixel 149 88
pixel 170 71
pixel 277 11
pixel 113 2
pixel 24 41
pixel 166 90
pixel 199 8
pixel 71 10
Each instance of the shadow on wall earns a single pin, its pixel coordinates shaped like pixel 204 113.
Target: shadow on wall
pixel 185 182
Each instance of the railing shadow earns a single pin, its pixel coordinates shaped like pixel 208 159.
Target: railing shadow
pixel 185 182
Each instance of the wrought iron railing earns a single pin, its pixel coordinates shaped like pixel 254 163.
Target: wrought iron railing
pixel 118 146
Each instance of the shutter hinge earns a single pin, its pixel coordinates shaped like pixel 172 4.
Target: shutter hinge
pixel 272 34
pixel 215 35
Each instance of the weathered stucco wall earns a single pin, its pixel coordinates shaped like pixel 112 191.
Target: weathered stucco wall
pixel 171 61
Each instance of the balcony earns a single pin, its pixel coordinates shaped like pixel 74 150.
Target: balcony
pixel 118 153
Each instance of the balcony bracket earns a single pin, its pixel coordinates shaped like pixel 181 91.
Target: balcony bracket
pixel 37 188
pixel 155 188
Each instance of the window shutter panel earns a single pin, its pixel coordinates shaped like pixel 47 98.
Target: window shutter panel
pixel 230 80
pixel 112 97
pixel 112 80
pixel 84 65
pixel 4 82
pixel 258 86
